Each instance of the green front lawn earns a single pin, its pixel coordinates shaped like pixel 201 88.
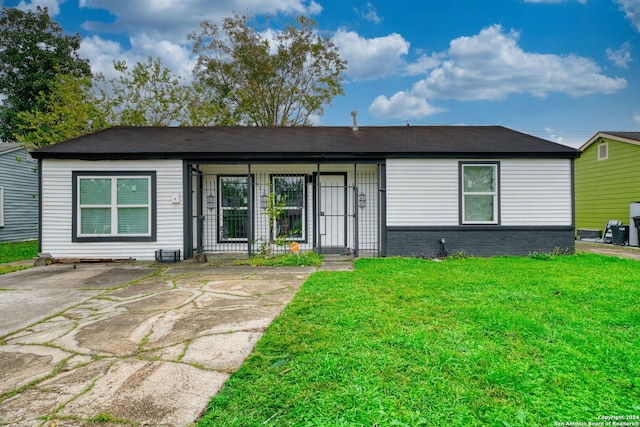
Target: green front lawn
pixel 10 252
pixel 499 341
pixel 19 251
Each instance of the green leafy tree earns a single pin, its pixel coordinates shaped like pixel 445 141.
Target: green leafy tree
pixel 275 210
pixel 282 82
pixel 33 50
pixel 148 94
pixel 204 108
pixel 69 110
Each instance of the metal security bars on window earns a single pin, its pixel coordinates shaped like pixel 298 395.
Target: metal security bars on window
pixel 266 210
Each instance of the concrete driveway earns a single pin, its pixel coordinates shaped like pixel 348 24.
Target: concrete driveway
pixel 632 252
pixel 129 344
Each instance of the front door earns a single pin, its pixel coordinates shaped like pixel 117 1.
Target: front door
pixel 332 213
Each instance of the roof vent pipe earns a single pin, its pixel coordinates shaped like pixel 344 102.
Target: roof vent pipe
pixel 354 114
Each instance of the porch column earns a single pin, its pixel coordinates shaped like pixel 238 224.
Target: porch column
pixel 356 232
pixel 382 209
pixel 250 217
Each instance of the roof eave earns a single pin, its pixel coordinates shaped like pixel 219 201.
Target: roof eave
pixel 607 135
pixel 306 157
pixel 11 150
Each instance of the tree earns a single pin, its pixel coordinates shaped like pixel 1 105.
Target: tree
pixel 149 94
pixel 205 109
pixel 69 110
pixel 146 95
pixel 279 83
pixel 33 50
pixel 275 210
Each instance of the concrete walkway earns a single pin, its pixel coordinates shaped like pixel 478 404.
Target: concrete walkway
pixel 138 345
pixel 127 344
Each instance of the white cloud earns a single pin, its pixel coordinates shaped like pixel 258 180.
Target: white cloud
pixel 176 18
pixel 52 5
pixel 369 59
pixel 631 9
pixel 102 53
pixel 636 117
pixel 622 56
pixel 569 138
pixel 174 56
pixel 403 105
pixel 423 65
pixel 159 28
pixel 491 66
pixel 369 14
pixel 550 134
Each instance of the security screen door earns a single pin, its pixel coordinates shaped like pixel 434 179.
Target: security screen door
pixel 332 213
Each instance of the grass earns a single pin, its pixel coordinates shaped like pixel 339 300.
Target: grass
pixel 474 342
pixel 287 260
pixel 10 252
pixel 4 269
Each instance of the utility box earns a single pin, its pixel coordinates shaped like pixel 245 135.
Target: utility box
pixel 634 210
pixel 634 228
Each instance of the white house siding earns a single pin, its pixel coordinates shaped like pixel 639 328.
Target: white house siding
pixel 19 193
pixel 57 209
pixel 424 192
pixel 536 192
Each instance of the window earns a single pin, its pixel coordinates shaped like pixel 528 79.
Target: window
pixel 234 205
pixel 603 151
pixel 114 207
pixel 479 189
pixel 1 207
pixel 290 191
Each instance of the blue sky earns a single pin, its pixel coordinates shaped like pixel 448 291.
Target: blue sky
pixel 558 69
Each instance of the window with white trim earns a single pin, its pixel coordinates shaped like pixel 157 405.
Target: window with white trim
pixel 603 151
pixel 479 193
pixel 114 207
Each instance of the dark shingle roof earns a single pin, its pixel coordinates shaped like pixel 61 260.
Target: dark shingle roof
pixel 300 143
pixel 628 135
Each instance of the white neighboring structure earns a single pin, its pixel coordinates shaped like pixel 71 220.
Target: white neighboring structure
pixel 18 194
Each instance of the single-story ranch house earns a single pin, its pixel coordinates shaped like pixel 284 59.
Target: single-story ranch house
pixel 127 192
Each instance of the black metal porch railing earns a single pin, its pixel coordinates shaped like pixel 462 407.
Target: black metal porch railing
pixel 263 211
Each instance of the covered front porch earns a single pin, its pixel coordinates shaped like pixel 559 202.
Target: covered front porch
pixel 253 209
